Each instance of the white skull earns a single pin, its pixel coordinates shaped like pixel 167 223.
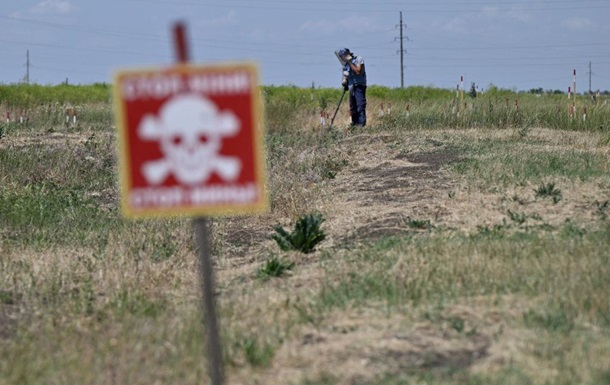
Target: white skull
pixel 190 130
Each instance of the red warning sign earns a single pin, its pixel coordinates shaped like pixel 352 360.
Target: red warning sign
pixel 190 140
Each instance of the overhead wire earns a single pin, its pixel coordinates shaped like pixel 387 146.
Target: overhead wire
pixel 237 46
pixel 261 5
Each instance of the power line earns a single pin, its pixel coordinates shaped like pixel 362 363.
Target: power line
pixel 504 47
pixel 316 6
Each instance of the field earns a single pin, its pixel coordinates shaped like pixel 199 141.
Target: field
pixel 464 245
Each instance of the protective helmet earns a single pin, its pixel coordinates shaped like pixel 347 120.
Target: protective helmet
pixel 344 51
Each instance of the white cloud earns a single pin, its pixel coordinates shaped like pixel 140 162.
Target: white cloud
pixel 489 11
pixel 223 21
pixel 456 25
pixel 581 24
pixel 318 26
pixel 52 6
pixel 363 24
pixel 516 13
pixel 519 14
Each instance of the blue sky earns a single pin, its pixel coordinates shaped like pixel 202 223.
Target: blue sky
pixel 517 44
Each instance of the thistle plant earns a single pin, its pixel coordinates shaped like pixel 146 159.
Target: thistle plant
pixel 305 236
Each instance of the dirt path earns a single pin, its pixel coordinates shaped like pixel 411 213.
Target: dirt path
pixel 393 184
pixel 384 188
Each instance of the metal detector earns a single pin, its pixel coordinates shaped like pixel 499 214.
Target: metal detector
pixel 337 110
pixel 343 62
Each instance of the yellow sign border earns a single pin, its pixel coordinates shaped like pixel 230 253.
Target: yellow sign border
pixel 258 125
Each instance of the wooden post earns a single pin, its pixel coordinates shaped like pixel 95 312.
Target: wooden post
pixel 206 267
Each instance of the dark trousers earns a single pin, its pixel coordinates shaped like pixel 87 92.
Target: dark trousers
pixel 357 105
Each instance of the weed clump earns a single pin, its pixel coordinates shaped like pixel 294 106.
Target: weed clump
pixel 274 267
pixel 306 235
pixel 549 190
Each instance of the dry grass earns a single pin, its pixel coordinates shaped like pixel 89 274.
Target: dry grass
pixel 479 296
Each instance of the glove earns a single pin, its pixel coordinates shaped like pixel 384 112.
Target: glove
pixel 348 57
pixel 344 84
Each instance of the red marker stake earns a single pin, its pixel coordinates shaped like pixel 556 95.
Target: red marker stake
pixel 206 268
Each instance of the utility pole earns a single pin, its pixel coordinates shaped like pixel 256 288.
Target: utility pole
pixel 27 69
pixel 402 51
pixel 590 73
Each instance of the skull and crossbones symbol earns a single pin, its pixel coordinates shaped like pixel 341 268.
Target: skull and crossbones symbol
pixel 190 129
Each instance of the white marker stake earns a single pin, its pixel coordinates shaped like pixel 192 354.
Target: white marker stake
pixel 67 117
pixel 575 83
pixel 322 119
pixel 8 117
pixel 74 116
pixel 389 108
pixel 381 110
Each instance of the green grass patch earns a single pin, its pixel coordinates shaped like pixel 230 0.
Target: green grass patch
pixel 417 271
pixel 45 214
pixel 508 165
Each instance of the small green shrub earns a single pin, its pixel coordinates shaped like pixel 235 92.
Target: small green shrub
pixel 519 218
pixel 7 298
pixel 494 231
pixel 549 190
pixel 258 354
pixel 135 303
pixel 601 209
pixel 556 320
pixel 306 235
pixel 418 223
pixel 457 324
pixel 274 267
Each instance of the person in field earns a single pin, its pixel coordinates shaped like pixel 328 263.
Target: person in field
pixel 354 80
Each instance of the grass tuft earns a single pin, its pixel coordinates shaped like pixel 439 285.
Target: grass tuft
pixel 274 267
pixel 549 190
